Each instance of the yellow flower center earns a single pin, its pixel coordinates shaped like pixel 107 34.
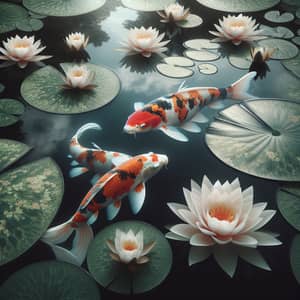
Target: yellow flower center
pixel 21 45
pixel 222 213
pixel 77 73
pixel 237 24
pixel 144 35
pixel 76 38
pixel 129 245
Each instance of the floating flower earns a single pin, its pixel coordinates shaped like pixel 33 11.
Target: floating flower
pixel 237 29
pixel 144 41
pixel 174 13
pixel 22 50
pixel 128 247
pixel 261 54
pixel 77 41
pixel 219 217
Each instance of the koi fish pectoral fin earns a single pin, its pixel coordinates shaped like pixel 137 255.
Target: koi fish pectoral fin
pixel 191 127
pixel 74 163
pixel 216 105
pixel 113 209
pixel 138 106
pixel 77 171
pixel 174 133
pixel 200 118
pixel 137 198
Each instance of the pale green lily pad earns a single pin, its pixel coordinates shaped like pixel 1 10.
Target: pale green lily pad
pixel 147 5
pixel 201 55
pixel 24 25
pixel 179 61
pixel 59 8
pixel 116 276
pixel 277 32
pixel 239 5
pixel 10 152
pixel 284 49
pixel 293 65
pixel 49 280
pixel 276 17
pixel 241 60
pixel 199 44
pixel 295 257
pixel 36 24
pixel 288 201
pixel 291 2
pixel 30 197
pixel 43 90
pixel 190 22
pixel 207 69
pixel 9 110
pixel 259 137
pixel 296 40
pixel 174 71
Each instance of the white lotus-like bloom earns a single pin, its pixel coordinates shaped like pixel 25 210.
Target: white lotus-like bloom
pixel 128 247
pixel 237 29
pixel 79 77
pixel 77 41
pixel 144 41
pixel 22 50
pixel 174 13
pixel 264 53
pixel 221 214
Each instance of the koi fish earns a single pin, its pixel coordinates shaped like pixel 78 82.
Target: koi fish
pixel 181 109
pixel 126 179
pixel 95 159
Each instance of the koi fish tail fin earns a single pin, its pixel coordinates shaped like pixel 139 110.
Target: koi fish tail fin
pixel 238 90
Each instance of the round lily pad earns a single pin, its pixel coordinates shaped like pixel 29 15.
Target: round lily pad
pixel 201 55
pixel 43 90
pixel 36 24
pixel 284 49
pixel 291 2
pixel 199 44
pixel 277 17
pixel 116 276
pixel 10 14
pixel 288 201
pixel 295 257
pixel 50 280
pixel 174 71
pixel 147 5
pixel 30 197
pixel 277 32
pixel 207 69
pixel 179 61
pixel 9 110
pixel 24 25
pixel 296 40
pixel 241 60
pixel 259 137
pixel 190 22
pixel 239 5
pixel 11 151
pixel 293 65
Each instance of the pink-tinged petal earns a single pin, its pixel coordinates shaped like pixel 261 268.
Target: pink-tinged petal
pixel 184 230
pixel 189 201
pixel 111 246
pixel 245 240
pixel 266 216
pixel 265 239
pixel 175 207
pixel 216 33
pixel 148 247
pixel 219 40
pixel 115 257
pixel 188 217
pixel 204 230
pixel 254 215
pixel 198 254
pixel 142 260
pixel 220 227
pixel 200 239
pixel 146 54
pixel 195 187
pixel 3 51
pixel 176 237
pixel 40 57
pixel 22 64
pixel 4 57
pixel 221 240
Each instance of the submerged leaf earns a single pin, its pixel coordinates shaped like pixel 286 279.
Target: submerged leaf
pixel 295 257
pixel 9 110
pixel 147 5
pixel 293 65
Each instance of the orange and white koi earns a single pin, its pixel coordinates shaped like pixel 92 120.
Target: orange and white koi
pixel 126 179
pixel 181 109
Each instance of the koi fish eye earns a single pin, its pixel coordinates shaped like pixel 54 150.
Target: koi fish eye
pixel 143 125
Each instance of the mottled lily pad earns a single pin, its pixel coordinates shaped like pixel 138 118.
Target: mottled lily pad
pixel 59 8
pixel 147 5
pixel 288 201
pixel 174 71
pixel 201 55
pixel 43 90
pixel 190 22
pixel 239 5
pixel 293 65
pixel 295 257
pixel 30 197
pixel 259 137
pixel 277 32
pixel 50 280
pixel 179 61
pixel 9 110
pixel 116 276
pixel 284 49
pixel 296 40
pixel 276 17
pixel 207 69
pixel 199 44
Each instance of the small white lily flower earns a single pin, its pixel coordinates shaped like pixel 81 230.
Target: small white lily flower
pixel 22 50
pixel 77 41
pixel 129 247
pixel 174 13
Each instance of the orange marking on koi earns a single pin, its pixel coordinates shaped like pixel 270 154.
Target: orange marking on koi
pixel 117 203
pixel 139 187
pixel 100 156
pixel 116 154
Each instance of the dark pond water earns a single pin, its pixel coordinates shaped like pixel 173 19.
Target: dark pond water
pixel 49 134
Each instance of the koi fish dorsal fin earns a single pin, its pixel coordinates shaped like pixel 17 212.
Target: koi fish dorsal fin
pixel 118 160
pixel 137 198
pixel 113 209
pixel 174 133
pixel 191 127
pixel 138 106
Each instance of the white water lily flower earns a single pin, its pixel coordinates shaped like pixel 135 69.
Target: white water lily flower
pixel 144 41
pixel 174 13
pixel 77 41
pixel 22 50
pixel 218 216
pixel 79 77
pixel 237 29
pixel 128 247
pixel 264 53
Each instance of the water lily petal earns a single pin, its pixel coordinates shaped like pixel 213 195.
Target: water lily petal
pixel 200 239
pixel 265 239
pixel 184 230
pixel 226 257
pixel 244 240
pixel 198 254
pixel 253 257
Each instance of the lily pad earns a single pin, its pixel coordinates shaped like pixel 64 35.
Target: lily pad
pixel 36 24
pixel 9 110
pixel 43 90
pixel 293 65
pixel 295 257
pixel 201 55
pixel 116 276
pixel 24 25
pixel 288 201
pixel 179 61
pixel 173 71
pixel 190 22
pixel 296 40
pixel 239 5
pixel 291 2
pixel 199 44
pixel 147 5
pixel 50 280
pixel 284 49
pixel 207 69
pixel 59 8
pixel 259 137
pixel 276 17
pixel 242 61
pixel 277 32
pixel 30 197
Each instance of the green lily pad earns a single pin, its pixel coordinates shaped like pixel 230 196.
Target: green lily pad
pixel 240 60
pixel 174 71
pixel 190 22
pixel 239 5
pixel 296 40
pixel 36 24
pixel 291 2
pixel 293 65
pixel 277 32
pixel 50 280
pixel 147 5
pixel 43 90
pixel 284 49
pixel 201 55
pixel 30 197
pixel 207 69
pixel 179 61
pixel 24 25
pixel 10 152
pixel 288 201
pixel 9 110
pixel 259 137
pixel 277 17
pixel 199 44
pixel 116 276
pixel 59 8
pixel 10 14
pixel 295 257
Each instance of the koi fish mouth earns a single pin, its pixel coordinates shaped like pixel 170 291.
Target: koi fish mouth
pixel 129 129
